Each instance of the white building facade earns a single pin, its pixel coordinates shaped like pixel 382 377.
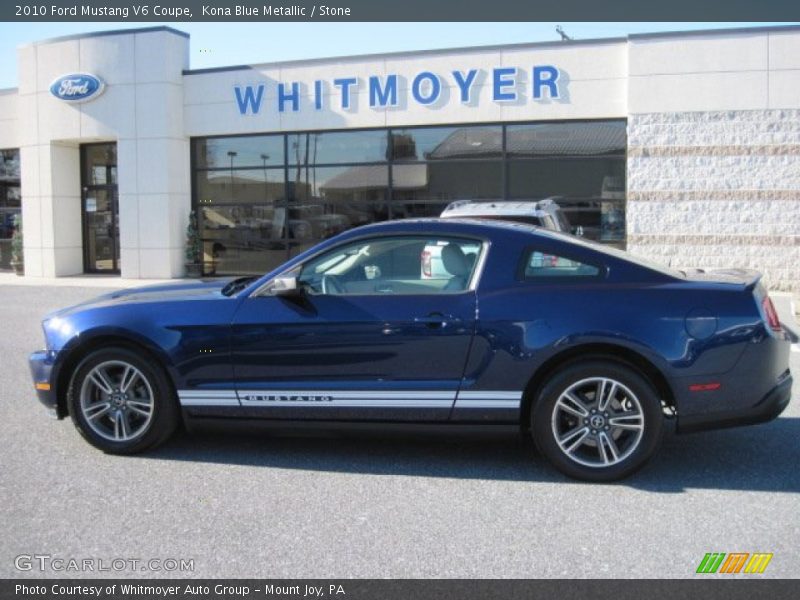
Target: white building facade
pixel 683 147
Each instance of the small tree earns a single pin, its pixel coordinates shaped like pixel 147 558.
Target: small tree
pixel 17 252
pixel 193 242
pixel 194 247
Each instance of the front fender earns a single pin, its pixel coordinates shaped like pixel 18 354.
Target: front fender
pixel 67 358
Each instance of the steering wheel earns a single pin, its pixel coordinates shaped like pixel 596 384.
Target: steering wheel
pixel 330 285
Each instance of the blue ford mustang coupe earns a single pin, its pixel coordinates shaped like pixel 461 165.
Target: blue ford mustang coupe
pixel 583 347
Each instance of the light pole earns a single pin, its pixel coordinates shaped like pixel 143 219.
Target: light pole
pixel 232 154
pixel 264 159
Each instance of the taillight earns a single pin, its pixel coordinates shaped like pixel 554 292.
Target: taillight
pixel 772 315
pixel 426 263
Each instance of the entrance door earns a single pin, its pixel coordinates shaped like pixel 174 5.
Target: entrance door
pixel 100 208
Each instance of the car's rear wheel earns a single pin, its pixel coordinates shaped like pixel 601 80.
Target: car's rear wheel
pixel 122 402
pixel 597 420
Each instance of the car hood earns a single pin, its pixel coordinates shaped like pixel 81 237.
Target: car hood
pixel 164 292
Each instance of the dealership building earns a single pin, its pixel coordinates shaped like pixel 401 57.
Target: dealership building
pixel 680 147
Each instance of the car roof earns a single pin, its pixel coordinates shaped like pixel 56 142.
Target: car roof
pixel 516 208
pixel 465 225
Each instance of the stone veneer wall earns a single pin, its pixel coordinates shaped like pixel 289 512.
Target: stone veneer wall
pixel 717 189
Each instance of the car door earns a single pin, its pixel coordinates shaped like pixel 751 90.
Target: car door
pixel 366 337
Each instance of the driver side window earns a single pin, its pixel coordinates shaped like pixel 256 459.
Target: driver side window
pixel 394 265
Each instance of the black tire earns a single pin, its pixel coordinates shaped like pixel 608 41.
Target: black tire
pixel 151 379
pixel 592 459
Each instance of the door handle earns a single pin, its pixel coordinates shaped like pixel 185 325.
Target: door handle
pixel 435 320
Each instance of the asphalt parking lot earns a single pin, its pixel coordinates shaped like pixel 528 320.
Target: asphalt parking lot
pixel 257 506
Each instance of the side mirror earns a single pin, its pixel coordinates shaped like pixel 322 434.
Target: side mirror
pixel 294 293
pixel 286 287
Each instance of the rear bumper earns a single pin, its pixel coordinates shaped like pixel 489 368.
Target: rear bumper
pixel 768 408
pixel 41 365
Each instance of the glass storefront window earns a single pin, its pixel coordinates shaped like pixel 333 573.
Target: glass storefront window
pixel 242 218
pixel 591 192
pixel 447 143
pixel 329 200
pixel 258 207
pixel 337 147
pixel 546 140
pixel 239 152
pixel 239 186
pixel 9 167
pixel 424 190
pixel 100 164
pixel 581 164
pixel 329 219
pixel 353 183
pixel 564 177
pixel 243 238
pixel 10 202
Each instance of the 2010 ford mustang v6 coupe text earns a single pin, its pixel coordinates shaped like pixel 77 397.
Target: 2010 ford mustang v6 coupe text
pixel 585 347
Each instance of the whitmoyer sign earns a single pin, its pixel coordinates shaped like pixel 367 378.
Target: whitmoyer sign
pixel 507 84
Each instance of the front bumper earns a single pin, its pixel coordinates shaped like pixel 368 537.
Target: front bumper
pixel 768 408
pixel 41 364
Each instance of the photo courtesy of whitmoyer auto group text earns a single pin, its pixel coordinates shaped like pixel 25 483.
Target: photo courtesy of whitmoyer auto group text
pixel 372 300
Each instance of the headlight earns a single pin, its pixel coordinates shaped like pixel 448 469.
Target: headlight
pixel 56 330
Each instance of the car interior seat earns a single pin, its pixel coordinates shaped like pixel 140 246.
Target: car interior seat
pixel 457 264
pixel 471 257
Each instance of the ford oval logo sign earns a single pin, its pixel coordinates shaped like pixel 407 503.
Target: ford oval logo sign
pixel 77 87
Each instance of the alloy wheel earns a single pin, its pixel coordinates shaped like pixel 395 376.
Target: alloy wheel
pixel 597 422
pixel 117 401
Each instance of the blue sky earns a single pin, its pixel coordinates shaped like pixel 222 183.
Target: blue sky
pixel 221 44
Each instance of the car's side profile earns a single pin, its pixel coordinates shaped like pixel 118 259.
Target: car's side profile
pixel 584 347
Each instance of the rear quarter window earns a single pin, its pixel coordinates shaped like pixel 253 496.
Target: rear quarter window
pixel 537 265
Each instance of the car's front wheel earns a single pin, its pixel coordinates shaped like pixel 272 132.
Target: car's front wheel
pixel 122 402
pixel 597 420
